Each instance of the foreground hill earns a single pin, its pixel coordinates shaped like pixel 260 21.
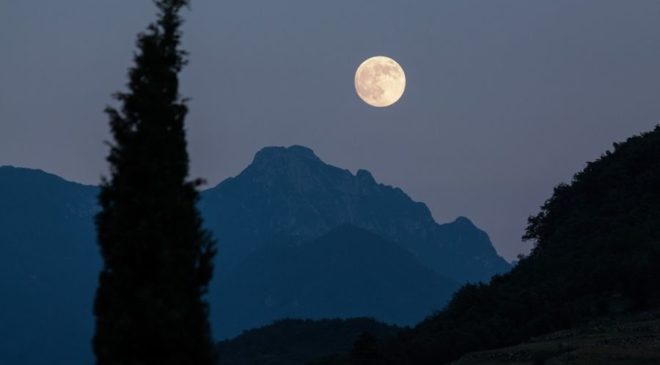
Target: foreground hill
pixel 597 254
pixel 347 272
pixel 631 340
pixel 297 342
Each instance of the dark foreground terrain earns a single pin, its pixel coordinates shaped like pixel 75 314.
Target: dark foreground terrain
pixel 294 341
pixel 596 255
pixel 628 341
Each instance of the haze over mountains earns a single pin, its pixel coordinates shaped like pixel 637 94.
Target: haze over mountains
pixel 295 235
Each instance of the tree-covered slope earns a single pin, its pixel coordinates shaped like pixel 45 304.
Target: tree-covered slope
pixel 597 252
pixel 297 342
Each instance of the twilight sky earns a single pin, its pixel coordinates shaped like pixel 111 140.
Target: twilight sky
pixel 505 99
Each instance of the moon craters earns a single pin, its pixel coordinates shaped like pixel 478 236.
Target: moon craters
pixel 380 81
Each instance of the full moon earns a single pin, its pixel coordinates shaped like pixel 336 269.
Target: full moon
pixel 380 81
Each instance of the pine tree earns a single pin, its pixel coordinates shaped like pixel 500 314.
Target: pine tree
pixel 150 306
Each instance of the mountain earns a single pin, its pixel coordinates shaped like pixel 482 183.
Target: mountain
pixel 347 272
pixel 597 254
pixel 291 192
pixel 287 203
pixel 48 268
pixel 298 342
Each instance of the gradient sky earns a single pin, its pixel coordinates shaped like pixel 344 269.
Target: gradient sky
pixel 505 99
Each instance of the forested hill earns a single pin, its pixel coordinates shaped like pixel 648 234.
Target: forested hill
pixel 597 253
pixel 296 341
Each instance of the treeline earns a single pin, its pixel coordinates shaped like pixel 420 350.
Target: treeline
pixel 292 341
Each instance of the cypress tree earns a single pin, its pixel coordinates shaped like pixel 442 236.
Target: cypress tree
pixel 150 305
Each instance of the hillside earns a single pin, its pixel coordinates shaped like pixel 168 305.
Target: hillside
pixel 597 253
pixel 297 342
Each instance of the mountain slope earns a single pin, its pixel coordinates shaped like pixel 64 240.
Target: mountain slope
pixel 48 268
pixel 347 272
pixel 291 192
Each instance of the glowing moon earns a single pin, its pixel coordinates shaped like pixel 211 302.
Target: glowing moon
pixel 380 81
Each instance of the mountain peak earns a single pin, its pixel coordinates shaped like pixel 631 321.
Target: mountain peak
pixel 289 191
pixel 464 221
pixel 364 175
pixel 294 167
pixel 295 152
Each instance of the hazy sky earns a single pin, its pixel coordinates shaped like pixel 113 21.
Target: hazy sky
pixel 505 99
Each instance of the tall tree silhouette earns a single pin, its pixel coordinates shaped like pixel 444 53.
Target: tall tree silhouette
pixel 150 306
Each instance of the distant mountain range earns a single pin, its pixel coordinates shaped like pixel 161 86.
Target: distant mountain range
pixel 296 237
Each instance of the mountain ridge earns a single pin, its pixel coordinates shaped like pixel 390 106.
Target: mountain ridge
pixel 318 196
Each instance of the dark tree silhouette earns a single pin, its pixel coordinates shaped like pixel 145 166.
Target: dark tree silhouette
pixel 150 306
pixel 365 350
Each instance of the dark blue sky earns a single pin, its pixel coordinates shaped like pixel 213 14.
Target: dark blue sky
pixel 505 99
